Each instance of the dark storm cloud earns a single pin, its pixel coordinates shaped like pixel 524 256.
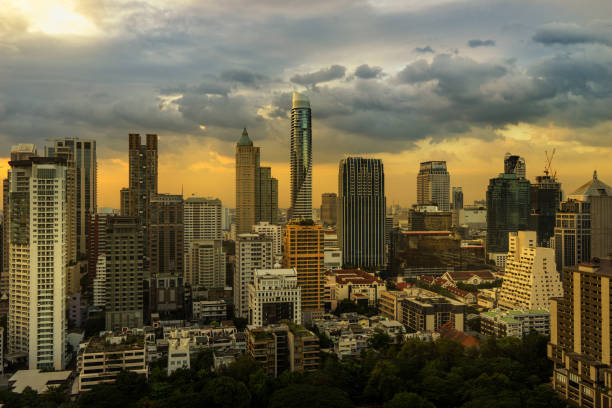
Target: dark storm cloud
pixel 567 34
pixel 424 50
pixel 320 76
pixel 367 72
pixel 203 70
pixel 243 76
pixel 481 43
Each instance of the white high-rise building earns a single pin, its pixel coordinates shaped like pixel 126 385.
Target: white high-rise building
pixel 99 282
pixel 274 232
pixel 531 276
pixel 201 220
pixel 207 264
pixel 253 251
pixel 37 251
pixel 274 296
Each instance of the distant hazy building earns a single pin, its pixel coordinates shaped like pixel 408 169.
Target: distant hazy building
pixel 124 272
pixel 508 204
pixel 268 196
pixel 545 201
pixel 37 249
pixel 361 212
pixel 274 296
pixel 531 276
pixel 253 251
pixel 303 250
pixel 515 165
pixel 86 167
pixel 433 185
pixel 329 209
pixel 301 158
pixel 457 198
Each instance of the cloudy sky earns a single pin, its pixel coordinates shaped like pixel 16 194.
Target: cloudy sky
pixel 403 80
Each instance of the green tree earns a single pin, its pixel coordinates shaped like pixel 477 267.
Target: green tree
pixel 309 396
pixel 225 392
pixel 408 400
pixel 379 340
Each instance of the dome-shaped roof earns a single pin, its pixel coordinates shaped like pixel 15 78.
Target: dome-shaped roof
pixel 594 187
pixel 244 139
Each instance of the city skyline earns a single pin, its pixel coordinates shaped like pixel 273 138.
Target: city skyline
pixel 450 80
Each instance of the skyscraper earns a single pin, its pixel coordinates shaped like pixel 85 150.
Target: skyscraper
pixel 247 183
pixel 304 250
pixel 256 189
pixel 329 208
pixel 433 185
pixel 599 195
pixel 361 211
pixel 86 168
pixel 301 158
pixel 507 210
pixel 545 201
pixel 268 196
pixel 21 151
pixel 572 241
pixel 201 221
pixel 166 234
pixel 143 177
pixel 580 346
pixel 515 165
pixel 37 248
pixel 207 261
pixel 124 272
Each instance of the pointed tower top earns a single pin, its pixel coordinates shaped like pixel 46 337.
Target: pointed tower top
pixel 244 139
pixel 595 175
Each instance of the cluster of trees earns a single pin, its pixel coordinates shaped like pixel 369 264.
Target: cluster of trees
pixel 474 288
pixel 505 372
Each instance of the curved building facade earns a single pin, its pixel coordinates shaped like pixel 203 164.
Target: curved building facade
pixel 301 158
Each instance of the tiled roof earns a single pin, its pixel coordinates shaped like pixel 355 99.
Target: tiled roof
pixel 465 275
pixel 357 276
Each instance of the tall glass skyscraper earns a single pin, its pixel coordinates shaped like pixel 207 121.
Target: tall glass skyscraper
pixel 361 212
pixel 433 185
pixel 301 158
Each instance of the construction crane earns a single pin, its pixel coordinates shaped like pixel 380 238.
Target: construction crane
pixel 548 168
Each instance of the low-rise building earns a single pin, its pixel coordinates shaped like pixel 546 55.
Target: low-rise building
pixel 349 283
pixel 283 347
pixel 101 358
pixel 469 277
pixel 429 313
pixel 39 381
pixel 178 354
pixel 515 323
pixel 210 310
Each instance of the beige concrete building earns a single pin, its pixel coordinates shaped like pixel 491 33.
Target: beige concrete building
pixel 100 359
pixel 274 296
pixel 201 221
pixel 247 181
pixel 253 251
pixel 531 276
pixel 206 264
pixel 580 346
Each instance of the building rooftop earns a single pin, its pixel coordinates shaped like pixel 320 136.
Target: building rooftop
pixel 299 100
pixel 466 275
pixel 356 276
pixel 593 187
pixel 37 380
pixel 114 342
